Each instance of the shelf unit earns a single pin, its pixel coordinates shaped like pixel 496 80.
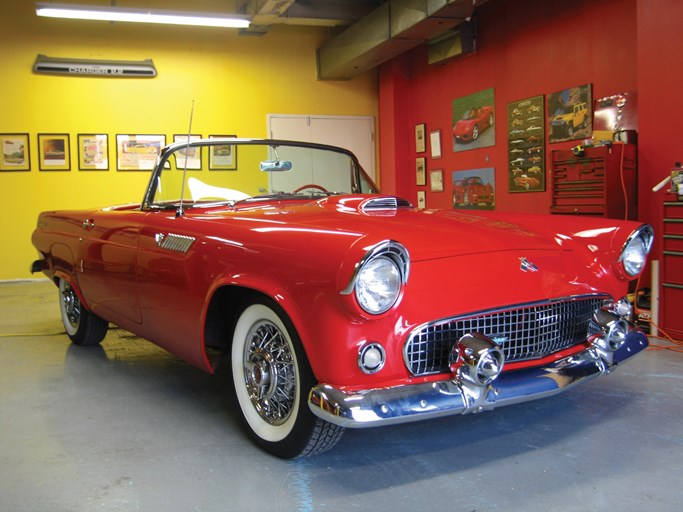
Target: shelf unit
pixel 601 181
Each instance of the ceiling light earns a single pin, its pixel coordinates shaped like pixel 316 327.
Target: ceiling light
pixel 88 12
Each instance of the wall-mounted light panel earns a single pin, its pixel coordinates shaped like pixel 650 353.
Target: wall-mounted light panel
pixel 104 13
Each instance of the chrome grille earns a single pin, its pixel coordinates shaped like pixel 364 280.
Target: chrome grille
pixel 530 331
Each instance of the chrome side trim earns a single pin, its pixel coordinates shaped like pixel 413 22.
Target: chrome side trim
pixel 173 242
pixel 403 404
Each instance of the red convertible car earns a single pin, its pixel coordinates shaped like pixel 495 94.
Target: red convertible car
pixel 474 121
pixel 335 306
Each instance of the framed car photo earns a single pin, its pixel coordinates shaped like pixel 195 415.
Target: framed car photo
pixel 420 144
pixel 15 154
pixel 188 158
pixel 53 152
pixel 223 157
pixel 138 152
pixel 420 176
pixel 436 180
pixel 93 152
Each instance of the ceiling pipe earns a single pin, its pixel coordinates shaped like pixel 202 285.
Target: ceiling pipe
pixel 392 29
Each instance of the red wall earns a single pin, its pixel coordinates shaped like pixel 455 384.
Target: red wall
pixel 524 48
pixel 660 102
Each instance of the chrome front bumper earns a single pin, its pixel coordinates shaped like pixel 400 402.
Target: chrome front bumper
pixel 402 404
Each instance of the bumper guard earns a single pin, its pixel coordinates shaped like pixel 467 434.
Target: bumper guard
pixel 403 404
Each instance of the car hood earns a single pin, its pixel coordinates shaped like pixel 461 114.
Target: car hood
pixel 465 123
pixel 428 234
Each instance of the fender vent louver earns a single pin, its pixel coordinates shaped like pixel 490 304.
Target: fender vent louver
pixel 173 242
pixel 385 203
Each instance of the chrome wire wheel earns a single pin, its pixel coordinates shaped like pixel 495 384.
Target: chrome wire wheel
pixel 266 374
pixel 271 379
pixel 70 307
pixel 270 372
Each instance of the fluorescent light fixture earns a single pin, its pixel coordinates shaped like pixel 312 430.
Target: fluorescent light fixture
pixel 88 12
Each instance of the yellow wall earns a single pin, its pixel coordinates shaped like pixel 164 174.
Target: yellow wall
pixel 234 80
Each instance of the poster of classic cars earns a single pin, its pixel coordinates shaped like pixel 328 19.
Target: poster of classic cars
pixel 473 119
pixel 570 114
pixel 474 189
pixel 526 145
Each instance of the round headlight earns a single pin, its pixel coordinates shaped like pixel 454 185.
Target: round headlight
pixel 634 254
pixel 378 285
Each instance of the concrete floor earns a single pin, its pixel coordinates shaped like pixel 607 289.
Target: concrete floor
pixel 128 427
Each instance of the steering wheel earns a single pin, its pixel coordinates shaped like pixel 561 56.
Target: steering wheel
pixel 310 185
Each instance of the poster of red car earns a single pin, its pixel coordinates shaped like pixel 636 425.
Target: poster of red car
pixel 474 189
pixel 473 120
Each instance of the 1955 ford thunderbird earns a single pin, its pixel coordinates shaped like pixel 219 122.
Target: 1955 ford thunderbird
pixel 338 306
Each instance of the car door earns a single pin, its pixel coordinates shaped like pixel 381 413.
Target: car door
pixel 106 266
pixel 173 283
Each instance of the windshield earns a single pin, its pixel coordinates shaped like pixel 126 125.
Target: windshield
pixel 233 170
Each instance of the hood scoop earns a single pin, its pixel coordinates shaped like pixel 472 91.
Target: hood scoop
pixel 384 203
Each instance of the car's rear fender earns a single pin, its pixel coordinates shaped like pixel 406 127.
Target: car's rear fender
pixel 59 265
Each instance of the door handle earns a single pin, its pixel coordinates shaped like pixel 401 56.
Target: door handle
pixel 88 224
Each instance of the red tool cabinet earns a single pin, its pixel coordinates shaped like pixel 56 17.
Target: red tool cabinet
pixel 671 270
pixel 602 180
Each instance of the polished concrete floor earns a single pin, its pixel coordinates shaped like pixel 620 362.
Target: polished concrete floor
pixel 128 427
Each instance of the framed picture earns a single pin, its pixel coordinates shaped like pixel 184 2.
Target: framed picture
pixel 421 199
pixel 473 120
pixel 474 189
pixel 436 180
pixel 570 114
pixel 93 152
pixel 138 152
pixel 15 152
pixel 53 152
pixel 420 177
pixel 188 158
pixel 222 158
pixel 420 146
pixel 435 143
pixel 526 156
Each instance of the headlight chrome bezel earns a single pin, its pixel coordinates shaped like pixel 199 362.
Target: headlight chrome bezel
pixel 391 253
pixel 641 242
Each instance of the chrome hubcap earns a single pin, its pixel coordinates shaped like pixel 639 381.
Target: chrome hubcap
pixel 71 305
pixel 269 372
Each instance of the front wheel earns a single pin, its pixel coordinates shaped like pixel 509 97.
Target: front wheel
pixel 272 378
pixel 82 326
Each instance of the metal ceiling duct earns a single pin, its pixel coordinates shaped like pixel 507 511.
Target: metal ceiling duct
pixel 392 29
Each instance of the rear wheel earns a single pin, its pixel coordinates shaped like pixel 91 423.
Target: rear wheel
pixel 272 378
pixel 82 326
